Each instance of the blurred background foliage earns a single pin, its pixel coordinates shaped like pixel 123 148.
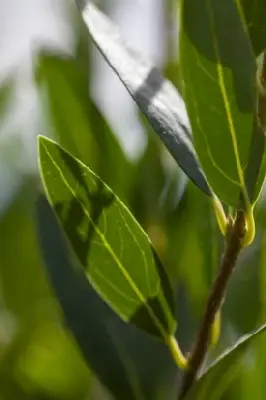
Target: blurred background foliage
pixel 53 82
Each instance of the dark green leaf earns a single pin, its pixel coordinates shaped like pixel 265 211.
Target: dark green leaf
pixel 156 97
pixel 85 314
pixel 219 69
pixel 255 15
pixel 214 381
pixel 124 359
pixel 109 244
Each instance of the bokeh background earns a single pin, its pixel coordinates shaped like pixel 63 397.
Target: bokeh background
pixel 54 82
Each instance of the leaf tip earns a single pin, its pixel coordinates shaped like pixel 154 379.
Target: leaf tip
pixel 40 142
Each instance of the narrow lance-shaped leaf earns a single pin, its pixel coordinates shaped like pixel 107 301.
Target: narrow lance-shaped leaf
pixel 214 381
pixel 116 352
pixel 115 253
pixel 156 97
pixel 219 69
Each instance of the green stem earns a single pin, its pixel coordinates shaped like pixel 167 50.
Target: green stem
pixel 176 353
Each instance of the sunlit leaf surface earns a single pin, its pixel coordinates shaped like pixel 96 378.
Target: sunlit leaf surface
pixel 115 253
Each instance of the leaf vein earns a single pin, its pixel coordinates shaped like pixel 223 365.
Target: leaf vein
pixel 122 269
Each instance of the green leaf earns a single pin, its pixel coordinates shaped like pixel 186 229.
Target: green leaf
pixel 156 97
pixel 78 124
pixel 255 16
pixel 214 381
pixel 68 104
pixel 81 306
pixel 219 69
pixel 131 359
pixel 109 244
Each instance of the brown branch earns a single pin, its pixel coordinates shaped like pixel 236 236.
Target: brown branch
pixel 233 247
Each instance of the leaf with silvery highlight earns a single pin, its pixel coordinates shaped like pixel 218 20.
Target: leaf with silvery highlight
pixel 156 97
pixel 108 243
pixel 216 379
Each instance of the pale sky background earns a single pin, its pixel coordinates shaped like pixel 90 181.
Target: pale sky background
pixel 26 25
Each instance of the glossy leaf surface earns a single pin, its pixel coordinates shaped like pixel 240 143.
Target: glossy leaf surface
pixel 218 67
pixel 115 253
pixel 156 97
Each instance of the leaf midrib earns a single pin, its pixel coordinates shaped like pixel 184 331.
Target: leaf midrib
pixel 227 106
pixel 108 247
